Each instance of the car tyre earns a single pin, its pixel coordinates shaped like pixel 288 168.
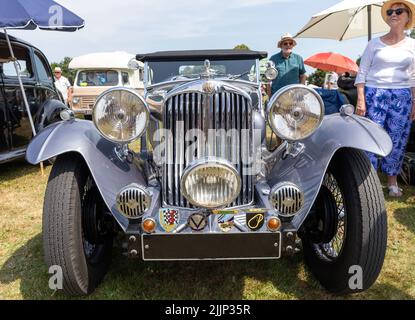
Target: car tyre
pixel 352 187
pixel 64 214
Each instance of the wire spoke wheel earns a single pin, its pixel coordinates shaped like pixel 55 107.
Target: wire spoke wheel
pixel 331 250
pixel 89 248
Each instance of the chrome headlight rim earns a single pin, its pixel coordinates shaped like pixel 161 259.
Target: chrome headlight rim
pixel 277 95
pixel 210 162
pixel 128 90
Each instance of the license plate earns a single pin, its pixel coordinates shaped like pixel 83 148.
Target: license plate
pixel 229 246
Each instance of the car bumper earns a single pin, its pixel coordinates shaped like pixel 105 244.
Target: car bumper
pixel 82 111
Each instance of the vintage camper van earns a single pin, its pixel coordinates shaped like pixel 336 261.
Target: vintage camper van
pixel 97 72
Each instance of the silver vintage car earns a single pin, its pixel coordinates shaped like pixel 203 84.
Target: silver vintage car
pixel 190 171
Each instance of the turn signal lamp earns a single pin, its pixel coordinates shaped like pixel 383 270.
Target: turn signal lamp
pixel 273 224
pixel 149 225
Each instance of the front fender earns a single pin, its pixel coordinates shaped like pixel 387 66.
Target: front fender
pixel 109 172
pixel 307 170
pixel 49 113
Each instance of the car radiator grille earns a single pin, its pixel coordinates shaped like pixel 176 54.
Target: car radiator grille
pixel 87 102
pixel 218 111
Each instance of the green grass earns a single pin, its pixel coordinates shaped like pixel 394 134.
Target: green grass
pixel 23 274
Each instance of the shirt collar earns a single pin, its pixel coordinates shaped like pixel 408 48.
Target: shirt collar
pixel 282 56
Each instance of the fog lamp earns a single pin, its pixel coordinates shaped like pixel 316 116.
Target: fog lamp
pixel 211 183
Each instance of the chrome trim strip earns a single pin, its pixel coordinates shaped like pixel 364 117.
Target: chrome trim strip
pixel 176 82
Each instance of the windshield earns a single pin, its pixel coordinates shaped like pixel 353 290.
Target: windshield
pixel 97 78
pixel 163 71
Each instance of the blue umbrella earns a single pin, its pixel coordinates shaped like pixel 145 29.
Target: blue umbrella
pixel 45 14
pixel 30 14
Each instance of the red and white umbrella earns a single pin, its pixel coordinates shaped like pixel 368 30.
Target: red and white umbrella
pixel 330 61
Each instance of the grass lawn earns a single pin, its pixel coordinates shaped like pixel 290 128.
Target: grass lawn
pixel 23 274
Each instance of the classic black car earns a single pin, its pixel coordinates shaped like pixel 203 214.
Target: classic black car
pixel 205 183
pixel 43 98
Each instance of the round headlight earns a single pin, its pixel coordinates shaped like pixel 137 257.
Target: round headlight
pixel 120 115
pixel 75 100
pixel 211 183
pixel 271 74
pixel 295 112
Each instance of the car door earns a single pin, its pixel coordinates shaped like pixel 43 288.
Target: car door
pixel 45 87
pixel 16 129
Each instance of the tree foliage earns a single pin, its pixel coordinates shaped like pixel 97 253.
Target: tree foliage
pixel 64 65
pixel 317 77
pixel 241 47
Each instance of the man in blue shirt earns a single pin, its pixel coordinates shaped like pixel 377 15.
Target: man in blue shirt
pixel 290 65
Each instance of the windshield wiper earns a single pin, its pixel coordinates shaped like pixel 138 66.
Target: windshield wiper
pixel 237 76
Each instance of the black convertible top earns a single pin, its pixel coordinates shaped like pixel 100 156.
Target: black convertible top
pixel 189 55
pixel 14 39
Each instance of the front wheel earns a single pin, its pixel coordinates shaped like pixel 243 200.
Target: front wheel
pixel 345 235
pixel 77 231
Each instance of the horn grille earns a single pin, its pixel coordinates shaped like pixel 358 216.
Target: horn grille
pixel 287 199
pixel 133 202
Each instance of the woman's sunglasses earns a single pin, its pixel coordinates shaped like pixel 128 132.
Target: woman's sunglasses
pixel 290 43
pixel 398 11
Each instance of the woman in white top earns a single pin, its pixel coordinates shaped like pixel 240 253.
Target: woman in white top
pixel 386 84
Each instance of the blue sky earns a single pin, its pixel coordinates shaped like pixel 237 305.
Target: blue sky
pixel 139 26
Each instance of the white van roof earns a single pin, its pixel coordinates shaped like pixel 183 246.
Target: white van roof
pixel 102 60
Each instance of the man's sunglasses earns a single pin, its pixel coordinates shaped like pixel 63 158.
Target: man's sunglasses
pixel 290 43
pixel 398 11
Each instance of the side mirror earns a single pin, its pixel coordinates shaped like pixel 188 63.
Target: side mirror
pixel 134 64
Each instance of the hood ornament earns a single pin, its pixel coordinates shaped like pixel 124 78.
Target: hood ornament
pixel 207 66
pixel 208 73
pixel 208 87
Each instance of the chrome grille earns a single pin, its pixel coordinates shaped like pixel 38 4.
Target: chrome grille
pixel 87 102
pixel 287 199
pixel 224 110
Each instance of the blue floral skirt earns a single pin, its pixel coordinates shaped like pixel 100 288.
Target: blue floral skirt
pixel 391 109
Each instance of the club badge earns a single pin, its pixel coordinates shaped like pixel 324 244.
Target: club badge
pixel 254 220
pixel 169 219
pixel 226 222
pixel 197 221
pixel 223 212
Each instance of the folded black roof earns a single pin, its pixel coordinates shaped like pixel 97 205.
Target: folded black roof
pixel 188 55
